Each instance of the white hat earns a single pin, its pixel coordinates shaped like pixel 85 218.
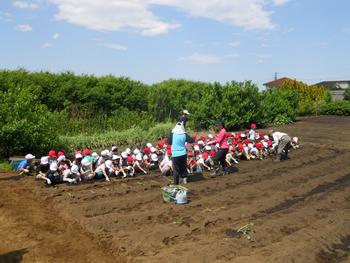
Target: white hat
pixel 149 145
pixel 139 157
pixel 153 150
pixel 53 167
pixel 295 139
pixel 128 151
pixel 95 155
pixel 29 156
pixel 145 157
pixel 200 142
pixel 108 164
pixel 243 135
pixel 74 169
pixel 250 145
pixel 186 112
pixel 265 144
pixel 136 151
pixel 210 136
pixel 154 157
pixel 124 154
pixel 207 148
pixel 196 147
pixel 266 137
pixel 115 157
pixel 78 156
pixel 234 135
pixel 44 160
pixel 61 158
pixel 114 148
pixel 85 162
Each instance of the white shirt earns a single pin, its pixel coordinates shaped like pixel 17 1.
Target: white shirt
pixel 276 138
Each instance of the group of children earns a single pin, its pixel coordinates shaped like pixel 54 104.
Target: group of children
pixel 86 166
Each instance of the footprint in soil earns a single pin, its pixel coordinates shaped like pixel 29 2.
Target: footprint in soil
pixel 170 240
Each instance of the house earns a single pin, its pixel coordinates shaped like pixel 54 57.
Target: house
pixel 277 83
pixel 336 88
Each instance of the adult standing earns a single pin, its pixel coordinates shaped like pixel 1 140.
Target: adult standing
pixel 184 117
pixel 177 139
pixel 281 141
pixel 220 156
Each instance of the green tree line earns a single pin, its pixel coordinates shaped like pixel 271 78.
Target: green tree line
pixel 38 108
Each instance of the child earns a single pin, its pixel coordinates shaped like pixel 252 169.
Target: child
pixel 104 170
pixel 25 166
pixel 52 156
pixel 154 162
pixel 77 160
pixel 138 163
pixel 117 166
pixel 54 175
pixel 166 166
pixel 252 133
pixel 42 169
pixel 85 169
pixel 95 159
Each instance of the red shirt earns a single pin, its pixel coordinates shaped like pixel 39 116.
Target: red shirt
pixel 221 139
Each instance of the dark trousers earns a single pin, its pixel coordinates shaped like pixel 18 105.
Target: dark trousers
pixel 179 167
pixel 220 158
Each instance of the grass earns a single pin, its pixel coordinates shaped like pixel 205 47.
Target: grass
pixel 5 166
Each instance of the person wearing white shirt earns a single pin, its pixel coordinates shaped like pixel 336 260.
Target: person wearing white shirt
pixel 281 142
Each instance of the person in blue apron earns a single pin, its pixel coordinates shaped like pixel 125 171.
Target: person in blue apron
pixel 178 139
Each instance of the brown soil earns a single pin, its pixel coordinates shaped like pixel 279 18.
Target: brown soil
pixel 300 209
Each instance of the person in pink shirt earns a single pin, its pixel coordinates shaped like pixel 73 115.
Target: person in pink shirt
pixel 220 164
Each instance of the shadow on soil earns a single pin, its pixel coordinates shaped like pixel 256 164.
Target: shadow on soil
pixel 13 256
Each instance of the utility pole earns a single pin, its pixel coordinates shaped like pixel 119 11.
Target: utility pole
pixel 276 75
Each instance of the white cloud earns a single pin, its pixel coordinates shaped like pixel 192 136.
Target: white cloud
pixel 198 58
pixel 280 2
pixel 46 45
pixel 56 36
pixel 114 46
pixel 135 15
pixel 234 44
pixel 7 17
pixel 25 5
pixel 24 28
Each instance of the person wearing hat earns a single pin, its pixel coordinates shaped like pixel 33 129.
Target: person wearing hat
pixel 177 139
pixel 184 117
pixel 281 144
pixel 117 166
pixel 25 166
pixel 138 163
pixel 42 169
pixel 252 133
pixel 53 174
pixel 104 170
pixel 220 164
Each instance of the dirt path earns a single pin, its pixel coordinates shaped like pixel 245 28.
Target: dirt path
pixel 300 209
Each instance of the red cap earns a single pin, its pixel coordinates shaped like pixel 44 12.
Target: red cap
pixel 261 136
pixel 130 159
pixel 269 143
pixel 87 152
pixel 253 126
pixel 60 154
pixel 246 141
pixel 194 136
pixel 146 150
pixel 202 137
pixel 259 146
pixel 240 147
pixel 169 151
pixel 212 153
pixel 205 155
pixel 52 154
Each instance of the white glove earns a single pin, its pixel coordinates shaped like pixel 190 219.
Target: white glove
pixel 48 181
pixel 26 170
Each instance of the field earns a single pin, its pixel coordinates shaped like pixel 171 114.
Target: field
pixel 300 209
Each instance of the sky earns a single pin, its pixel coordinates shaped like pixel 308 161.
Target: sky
pixel 155 40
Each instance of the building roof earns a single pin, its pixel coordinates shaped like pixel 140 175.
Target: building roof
pixel 277 82
pixel 331 82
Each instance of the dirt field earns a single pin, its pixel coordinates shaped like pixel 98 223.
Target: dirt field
pixel 300 209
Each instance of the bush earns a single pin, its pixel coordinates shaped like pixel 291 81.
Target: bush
pixel 340 108
pixel 278 107
pixel 25 124
pixel 347 94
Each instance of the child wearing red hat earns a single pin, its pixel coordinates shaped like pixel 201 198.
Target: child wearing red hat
pixel 252 133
